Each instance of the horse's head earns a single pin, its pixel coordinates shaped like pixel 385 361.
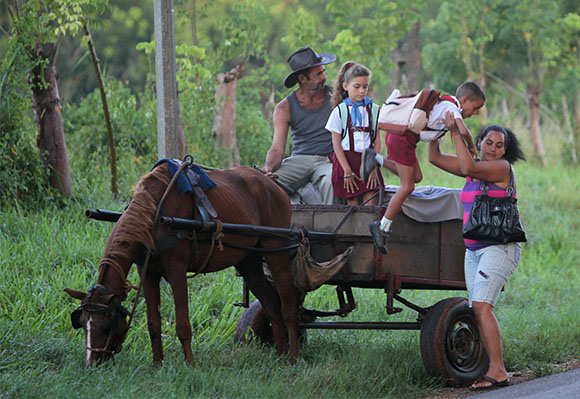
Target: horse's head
pixel 103 318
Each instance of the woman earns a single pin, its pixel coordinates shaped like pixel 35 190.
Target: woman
pixel 488 265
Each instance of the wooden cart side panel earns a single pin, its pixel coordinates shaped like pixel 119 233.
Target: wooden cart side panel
pixel 431 252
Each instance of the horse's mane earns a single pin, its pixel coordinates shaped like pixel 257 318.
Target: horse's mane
pixel 137 221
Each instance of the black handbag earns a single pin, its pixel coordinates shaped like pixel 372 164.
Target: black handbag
pixel 494 219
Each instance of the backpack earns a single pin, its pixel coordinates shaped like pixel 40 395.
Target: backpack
pixel 373 112
pixel 410 113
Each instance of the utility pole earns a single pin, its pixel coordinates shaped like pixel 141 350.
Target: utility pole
pixel 165 81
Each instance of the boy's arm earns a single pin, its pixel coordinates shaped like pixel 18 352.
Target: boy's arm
pixel 464 131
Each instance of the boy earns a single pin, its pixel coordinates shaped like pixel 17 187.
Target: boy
pixel 402 159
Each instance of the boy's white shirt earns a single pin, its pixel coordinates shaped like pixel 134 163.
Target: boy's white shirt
pixel 362 140
pixel 439 110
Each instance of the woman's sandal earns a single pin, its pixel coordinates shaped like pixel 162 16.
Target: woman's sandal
pixel 493 383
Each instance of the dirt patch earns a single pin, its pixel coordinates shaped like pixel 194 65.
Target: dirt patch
pixel 516 378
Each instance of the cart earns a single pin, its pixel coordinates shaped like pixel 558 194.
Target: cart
pixel 422 256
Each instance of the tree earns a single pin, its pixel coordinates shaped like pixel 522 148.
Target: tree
pixel 33 23
pixel 244 37
pixel 534 24
pixel 367 31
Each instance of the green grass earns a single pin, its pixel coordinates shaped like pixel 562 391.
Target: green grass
pixel 44 251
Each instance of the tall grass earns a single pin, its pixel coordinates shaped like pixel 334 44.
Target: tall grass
pixel 42 252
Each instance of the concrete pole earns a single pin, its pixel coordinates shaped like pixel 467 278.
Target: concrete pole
pixel 166 85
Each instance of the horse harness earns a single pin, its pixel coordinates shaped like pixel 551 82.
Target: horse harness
pixel 203 210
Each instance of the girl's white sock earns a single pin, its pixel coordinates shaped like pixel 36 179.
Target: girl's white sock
pixel 385 224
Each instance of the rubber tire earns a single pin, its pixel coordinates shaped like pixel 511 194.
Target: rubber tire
pixel 451 345
pixel 253 324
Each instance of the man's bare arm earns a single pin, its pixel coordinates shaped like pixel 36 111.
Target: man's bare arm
pixel 278 148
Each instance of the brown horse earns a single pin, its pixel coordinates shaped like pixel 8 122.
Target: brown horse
pixel 242 196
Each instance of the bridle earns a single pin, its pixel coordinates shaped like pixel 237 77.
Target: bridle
pixel 114 309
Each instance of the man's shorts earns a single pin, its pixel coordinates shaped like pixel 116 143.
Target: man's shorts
pixel 401 149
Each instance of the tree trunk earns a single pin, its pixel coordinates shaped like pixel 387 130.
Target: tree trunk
pixel 568 124
pixel 414 58
pixel 576 117
pixel 181 140
pixel 110 134
pixel 268 102
pixel 533 107
pixel 224 124
pixel 50 135
pixel 483 111
pixel 194 23
pixel 407 58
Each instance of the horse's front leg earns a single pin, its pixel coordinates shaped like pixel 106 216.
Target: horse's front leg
pixel 178 282
pixel 153 301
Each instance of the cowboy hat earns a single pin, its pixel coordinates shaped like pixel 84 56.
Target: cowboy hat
pixel 305 58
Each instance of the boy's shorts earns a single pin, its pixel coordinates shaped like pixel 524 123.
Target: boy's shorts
pixel 488 269
pixel 401 149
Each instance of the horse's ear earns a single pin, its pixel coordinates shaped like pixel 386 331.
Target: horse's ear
pixel 76 294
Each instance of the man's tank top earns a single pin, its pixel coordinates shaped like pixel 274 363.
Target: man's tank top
pixel 309 136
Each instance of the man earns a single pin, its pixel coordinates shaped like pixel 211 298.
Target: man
pixel 305 111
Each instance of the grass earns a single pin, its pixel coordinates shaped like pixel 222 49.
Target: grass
pixel 44 251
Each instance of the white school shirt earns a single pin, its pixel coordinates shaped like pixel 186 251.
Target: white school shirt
pixel 362 140
pixel 437 112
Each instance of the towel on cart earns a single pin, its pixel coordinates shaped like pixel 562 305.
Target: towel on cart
pixel 431 204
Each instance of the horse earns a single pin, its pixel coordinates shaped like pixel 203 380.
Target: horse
pixel 243 195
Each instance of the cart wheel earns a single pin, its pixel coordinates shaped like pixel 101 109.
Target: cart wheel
pixel 253 323
pixel 451 344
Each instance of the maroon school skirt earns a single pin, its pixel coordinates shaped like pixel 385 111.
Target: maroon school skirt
pixel 354 160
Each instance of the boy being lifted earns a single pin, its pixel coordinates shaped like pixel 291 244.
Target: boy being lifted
pixel 402 158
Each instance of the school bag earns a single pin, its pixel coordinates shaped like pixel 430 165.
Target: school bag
pixel 409 114
pixel 372 110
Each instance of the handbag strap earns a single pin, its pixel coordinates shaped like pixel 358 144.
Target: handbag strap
pixel 509 189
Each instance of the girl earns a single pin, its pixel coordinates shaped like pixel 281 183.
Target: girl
pixel 353 124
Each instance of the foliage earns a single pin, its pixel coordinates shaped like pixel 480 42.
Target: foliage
pixel 21 174
pixel 135 126
pixel 367 31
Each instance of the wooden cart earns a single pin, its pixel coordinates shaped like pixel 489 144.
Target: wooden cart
pixel 422 256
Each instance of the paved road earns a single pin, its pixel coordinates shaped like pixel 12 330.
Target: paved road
pixel 558 386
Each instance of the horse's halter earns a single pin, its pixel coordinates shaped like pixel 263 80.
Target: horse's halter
pixel 114 309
